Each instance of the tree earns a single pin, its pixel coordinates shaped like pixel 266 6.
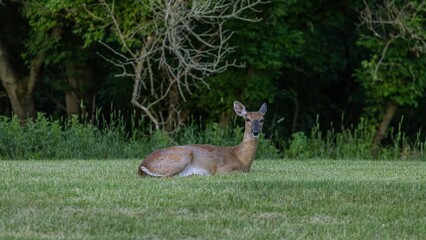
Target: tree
pixel 296 57
pixel 395 74
pixel 265 47
pixel 18 80
pixel 169 49
pixel 41 36
pixel 70 63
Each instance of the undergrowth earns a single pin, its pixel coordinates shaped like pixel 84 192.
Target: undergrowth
pixel 43 138
pixel 355 143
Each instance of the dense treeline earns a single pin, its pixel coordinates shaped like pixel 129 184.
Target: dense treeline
pixel 332 65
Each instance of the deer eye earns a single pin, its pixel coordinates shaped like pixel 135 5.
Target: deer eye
pixel 248 120
pixel 261 120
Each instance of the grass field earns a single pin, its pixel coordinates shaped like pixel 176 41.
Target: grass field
pixel 315 199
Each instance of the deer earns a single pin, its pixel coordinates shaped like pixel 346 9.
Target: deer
pixel 205 159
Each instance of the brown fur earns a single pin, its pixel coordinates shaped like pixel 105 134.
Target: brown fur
pixel 208 158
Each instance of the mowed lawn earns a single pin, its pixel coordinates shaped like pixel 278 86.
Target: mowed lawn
pixel 278 199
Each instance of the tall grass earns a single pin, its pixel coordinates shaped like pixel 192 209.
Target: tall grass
pixel 44 138
pixel 355 142
pixel 348 143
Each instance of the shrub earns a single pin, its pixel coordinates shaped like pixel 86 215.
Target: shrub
pixel 44 138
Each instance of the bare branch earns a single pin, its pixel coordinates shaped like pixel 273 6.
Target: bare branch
pixel 181 42
pixel 390 22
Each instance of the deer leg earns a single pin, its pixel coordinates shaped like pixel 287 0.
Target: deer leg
pixel 204 167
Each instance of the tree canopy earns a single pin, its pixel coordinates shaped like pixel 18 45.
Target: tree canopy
pixel 312 61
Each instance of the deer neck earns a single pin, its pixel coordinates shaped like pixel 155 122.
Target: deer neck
pixel 247 149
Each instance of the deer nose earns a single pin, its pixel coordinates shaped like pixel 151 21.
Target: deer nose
pixel 255 133
pixel 255 129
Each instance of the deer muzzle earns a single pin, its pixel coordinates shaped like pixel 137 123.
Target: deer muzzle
pixel 255 130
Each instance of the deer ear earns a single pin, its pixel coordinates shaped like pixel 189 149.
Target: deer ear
pixel 263 109
pixel 239 109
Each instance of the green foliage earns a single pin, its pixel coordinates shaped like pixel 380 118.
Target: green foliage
pixel 402 80
pixel 86 20
pixel 267 43
pixel 354 143
pixel 212 133
pixel 299 146
pixel 264 47
pixel 396 69
pixel 43 138
pixel 160 139
pixel 300 59
pixel 36 139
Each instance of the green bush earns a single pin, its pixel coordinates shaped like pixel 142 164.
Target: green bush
pixel 34 139
pixel 353 143
pixel 43 138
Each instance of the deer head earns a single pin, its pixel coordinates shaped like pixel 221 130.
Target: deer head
pixel 254 120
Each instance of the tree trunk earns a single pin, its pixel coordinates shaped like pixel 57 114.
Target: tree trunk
pixel 22 102
pixel 72 94
pixel 172 111
pixel 384 124
pixel 72 104
pixel 19 90
pixel 296 113
pixel 79 76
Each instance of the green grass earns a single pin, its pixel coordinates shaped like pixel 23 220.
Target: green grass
pixel 315 199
